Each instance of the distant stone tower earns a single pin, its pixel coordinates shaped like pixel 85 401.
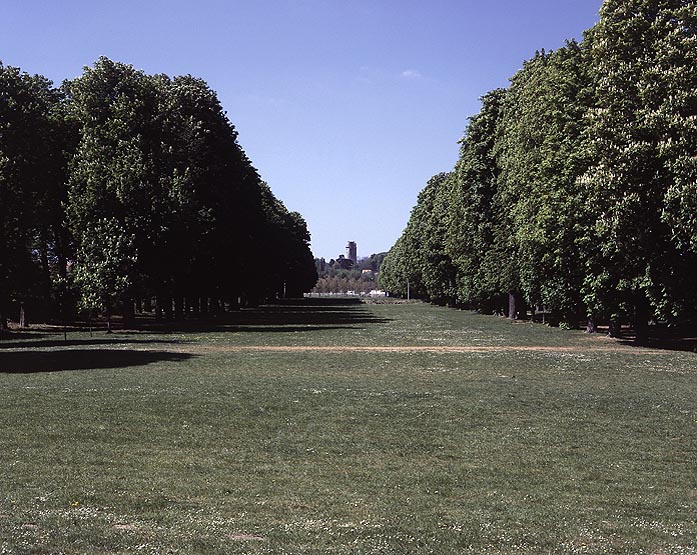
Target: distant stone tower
pixel 352 252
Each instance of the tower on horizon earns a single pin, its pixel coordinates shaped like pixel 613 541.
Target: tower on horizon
pixel 352 251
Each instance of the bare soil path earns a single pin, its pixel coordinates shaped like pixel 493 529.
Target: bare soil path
pixel 616 348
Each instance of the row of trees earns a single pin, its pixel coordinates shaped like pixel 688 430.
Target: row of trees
pixel 121 186
pixel 576 187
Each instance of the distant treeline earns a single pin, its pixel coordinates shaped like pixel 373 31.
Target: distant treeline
pixel 121 188
pixel 343 275
pixel 576 187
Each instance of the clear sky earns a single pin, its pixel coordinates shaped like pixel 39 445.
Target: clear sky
pixel 346 107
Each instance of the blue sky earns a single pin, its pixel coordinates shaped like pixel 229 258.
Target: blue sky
pixel 346 107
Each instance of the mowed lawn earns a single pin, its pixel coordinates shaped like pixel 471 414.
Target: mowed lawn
pixel 348 429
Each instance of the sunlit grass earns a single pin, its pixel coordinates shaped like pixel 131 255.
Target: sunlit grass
pixel 176 445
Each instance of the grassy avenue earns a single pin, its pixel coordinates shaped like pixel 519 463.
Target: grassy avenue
pixel 348 429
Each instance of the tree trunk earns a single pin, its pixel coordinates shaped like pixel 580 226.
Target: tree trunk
pixel 253 300
pixel 23 320
pixel 178 308
pixel 522 308
pixel 512 314
pixel 128 314
pixel 45 269
pixel 641 321
pixel 570 319
pixel 59 235
pixel 167 306
pixel 158 307
pixel 204 306
pixel 641 332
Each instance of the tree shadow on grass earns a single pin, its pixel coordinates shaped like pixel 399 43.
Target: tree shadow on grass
pixel 60 342
pixel 684 340
pixel 275 318
pixel 31 362
pixel 24 334
pixel 308 315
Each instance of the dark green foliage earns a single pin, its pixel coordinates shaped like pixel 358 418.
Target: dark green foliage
pixel 398 274
pixel 642 138
pixel 114 175
pixel 287 266
pixel 479 226
pixel 32 244
pixel 104 265
pixel 575 187
pixel 160 200
pixel 372 262
pixel 541 156
pixel 418 261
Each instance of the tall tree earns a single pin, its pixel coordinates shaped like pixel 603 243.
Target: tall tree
pixel 114 173
pixel 160 157
pixel 207 182
pixel 642 136
pixel 541 158
pixel 418 265
pixel 398 274
pixel 479 233
pixel 31 178
pixel 438 271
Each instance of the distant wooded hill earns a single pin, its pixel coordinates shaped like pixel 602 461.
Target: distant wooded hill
pixel 342 275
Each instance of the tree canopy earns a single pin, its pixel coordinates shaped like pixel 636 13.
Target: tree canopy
pixel 575 188
pixel 125 187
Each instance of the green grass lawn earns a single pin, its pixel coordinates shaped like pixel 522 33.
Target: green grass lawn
pixel 196 442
